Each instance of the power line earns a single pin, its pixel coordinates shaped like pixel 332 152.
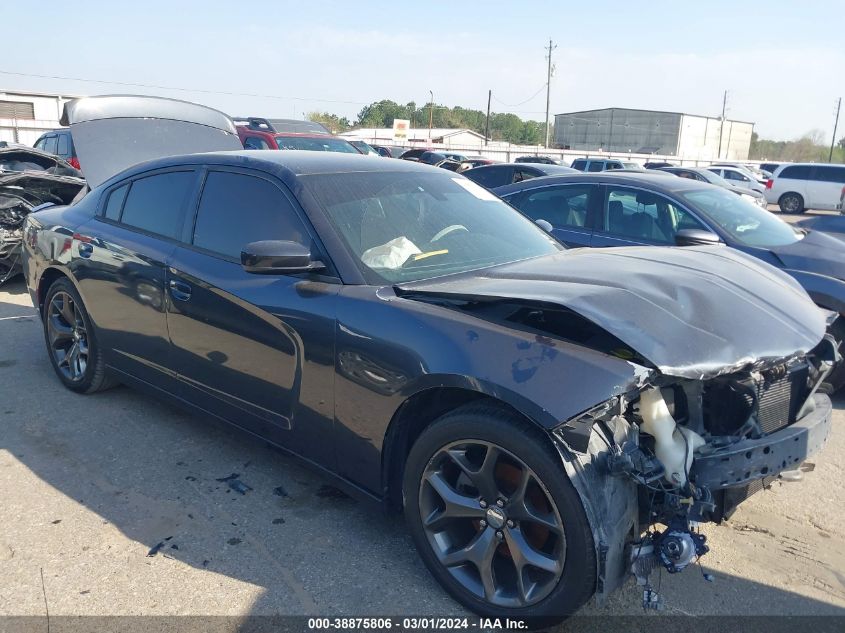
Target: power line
pixel 516 105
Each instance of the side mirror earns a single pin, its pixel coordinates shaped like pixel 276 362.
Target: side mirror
pixel 543 224
pixel 278 257
pixel 696 237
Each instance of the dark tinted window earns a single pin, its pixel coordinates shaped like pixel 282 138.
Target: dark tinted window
pixel 596 166
pixel 798 172
pixel 829 174
pixel 562 206
pixel 613 166
pixel 524 174
pixel 645 216
pixel 489 176
pixel 63 148
pixel 236 209
pixel 155 203
pixel 50 144
pixel 254 142
pixel 580 164
pixel 115 202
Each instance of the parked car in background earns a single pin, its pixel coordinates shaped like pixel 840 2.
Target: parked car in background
pixel 758 174
pixel 705 175
pixel 800 186
pixel 604 210
pixel 259 133
pixel 414 154
pixel 770 167
pixel 364 148
pixel 60 143
pixel 390 151
pixel 657 164
pixel 603 164
pixel 491 176
pixel 432 158
pixel 425 346
pixel 283 126
pixel 544 160
pixel 738 177
pixel 478 161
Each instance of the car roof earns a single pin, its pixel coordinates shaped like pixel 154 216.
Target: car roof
pixel 287 165
pixel 654 181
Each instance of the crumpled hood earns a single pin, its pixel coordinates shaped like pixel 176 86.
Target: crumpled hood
pixel 114 132
pixel 693 312
pixel 817 252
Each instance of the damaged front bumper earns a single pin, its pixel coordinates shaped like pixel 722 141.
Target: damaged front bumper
pixel 751 459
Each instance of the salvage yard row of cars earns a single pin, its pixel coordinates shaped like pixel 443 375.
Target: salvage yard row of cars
pixel 551 421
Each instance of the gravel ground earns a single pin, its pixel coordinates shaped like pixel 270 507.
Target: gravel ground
pixel 92 485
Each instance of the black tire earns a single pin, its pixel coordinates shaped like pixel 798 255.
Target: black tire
pixel 65 327
pixel 791 203
pixel 519 440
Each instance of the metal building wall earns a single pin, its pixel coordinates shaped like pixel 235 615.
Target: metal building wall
pixel 619 130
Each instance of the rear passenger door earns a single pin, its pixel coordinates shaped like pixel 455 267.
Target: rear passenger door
pixel 256 350
pixel 566 207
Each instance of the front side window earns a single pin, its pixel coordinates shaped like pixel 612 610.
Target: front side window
pixel 561 206
pixel 595 166
pixel 236 209
pixel 63 148
pixel 50 144
pixel 401 226
pixel 489 177
pixel 645 216
pixel 156 203
pixel 579 164
pixel 743 220
pixel 523 174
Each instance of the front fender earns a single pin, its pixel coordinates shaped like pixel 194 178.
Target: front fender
pixel 825 291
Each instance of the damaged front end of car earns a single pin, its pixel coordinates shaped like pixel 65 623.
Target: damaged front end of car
pixel 29 179
pixel 689 451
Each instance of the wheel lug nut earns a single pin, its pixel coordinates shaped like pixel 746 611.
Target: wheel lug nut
pixel 510 523
pixel 482 503
pixel 499 535
pixel 500 503
pixel 483 523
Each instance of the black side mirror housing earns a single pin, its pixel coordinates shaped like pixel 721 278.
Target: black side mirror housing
pixel 696 237
pixel 278 257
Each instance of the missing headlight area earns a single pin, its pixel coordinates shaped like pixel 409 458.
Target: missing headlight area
pixel 694 450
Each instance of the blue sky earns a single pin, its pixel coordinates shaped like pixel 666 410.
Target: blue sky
pixel 783 62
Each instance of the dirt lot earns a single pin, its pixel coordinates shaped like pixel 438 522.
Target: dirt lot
pixel 90 484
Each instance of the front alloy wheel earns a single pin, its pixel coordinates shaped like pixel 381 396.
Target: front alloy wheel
pixel 492 524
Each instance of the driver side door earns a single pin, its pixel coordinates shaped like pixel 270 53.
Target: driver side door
pixel 255 350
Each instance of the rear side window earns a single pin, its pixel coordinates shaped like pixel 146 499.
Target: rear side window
pixel 254 142
pixel 115 203
pixel 797 172
pixel 614 166
pixel 596 166
pixel 829 174
pixel 156 203
pixel 562 206
pixel 237 209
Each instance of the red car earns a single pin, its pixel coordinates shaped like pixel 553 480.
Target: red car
pixel 257 133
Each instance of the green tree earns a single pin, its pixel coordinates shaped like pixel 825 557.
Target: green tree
pixel 332 122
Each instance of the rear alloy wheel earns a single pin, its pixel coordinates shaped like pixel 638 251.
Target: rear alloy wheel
pixel 496 519
pixel 791 203
pixel 71 340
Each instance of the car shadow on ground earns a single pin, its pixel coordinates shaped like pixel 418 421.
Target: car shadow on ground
pixel 185 489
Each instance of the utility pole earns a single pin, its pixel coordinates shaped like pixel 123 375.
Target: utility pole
pixel 722 124
pixel 430 114
pixel 549 88
pixel 835 125
pixel 487 124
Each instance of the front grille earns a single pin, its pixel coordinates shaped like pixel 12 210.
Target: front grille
pixel 779 396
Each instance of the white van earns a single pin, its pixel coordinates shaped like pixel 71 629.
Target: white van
pixel 801 186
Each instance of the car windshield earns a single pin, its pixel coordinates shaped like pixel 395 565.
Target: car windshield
pixel 316 144
pixel 744 221
pixel 401 226
pixel 714 179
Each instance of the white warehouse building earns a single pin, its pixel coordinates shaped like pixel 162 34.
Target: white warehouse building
pixel 24 116
pixel 627 130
